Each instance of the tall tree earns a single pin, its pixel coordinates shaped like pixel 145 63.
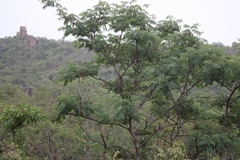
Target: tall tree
pixel 156 66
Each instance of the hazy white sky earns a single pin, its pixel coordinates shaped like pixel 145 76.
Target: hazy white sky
pixel 219 19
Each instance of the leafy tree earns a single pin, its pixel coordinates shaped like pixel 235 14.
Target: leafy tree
pixel 16 117
pixel 156 67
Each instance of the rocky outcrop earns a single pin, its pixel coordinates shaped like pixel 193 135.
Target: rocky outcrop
pixel 31 41
pixel 28 91
pixel 28 40
pixel 23 32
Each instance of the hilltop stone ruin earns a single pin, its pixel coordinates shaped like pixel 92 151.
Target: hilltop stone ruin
pixel 28 40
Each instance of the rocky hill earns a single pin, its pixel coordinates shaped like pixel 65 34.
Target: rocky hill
pixel 29 61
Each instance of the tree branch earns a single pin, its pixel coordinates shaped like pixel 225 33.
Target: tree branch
pixel 98 121
pixel 146 126
pixel 153 133
pixel 146 98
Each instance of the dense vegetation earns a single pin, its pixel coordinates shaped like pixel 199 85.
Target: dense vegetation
pixel 153 90
pixel 18 62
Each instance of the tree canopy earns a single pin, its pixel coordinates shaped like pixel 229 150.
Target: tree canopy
pixel 162 71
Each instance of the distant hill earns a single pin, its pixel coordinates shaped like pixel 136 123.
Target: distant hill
pixel 29 61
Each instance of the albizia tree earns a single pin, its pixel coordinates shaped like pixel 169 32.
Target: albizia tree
pixel 161 74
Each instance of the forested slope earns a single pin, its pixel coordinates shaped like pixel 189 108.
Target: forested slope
pixel 32 66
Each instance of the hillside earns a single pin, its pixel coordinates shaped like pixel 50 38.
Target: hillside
pixel 27 61
pixel 27 65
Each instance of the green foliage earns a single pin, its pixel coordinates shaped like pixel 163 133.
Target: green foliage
pixel 166 27
pixel 74 71
pixel 67 104
pixel 126 112
pixel 15 117
pixel 178 151
pixel 149 90
pixel 206 140
pixel 163 75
